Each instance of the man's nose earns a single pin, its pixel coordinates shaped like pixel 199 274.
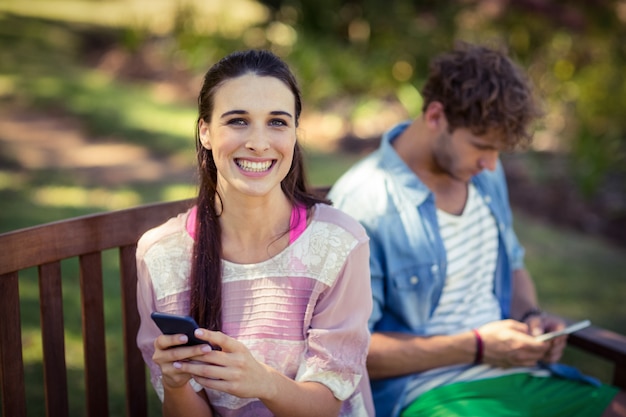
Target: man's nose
pixel 489 160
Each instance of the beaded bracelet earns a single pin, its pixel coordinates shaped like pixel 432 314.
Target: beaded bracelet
pixel 478 359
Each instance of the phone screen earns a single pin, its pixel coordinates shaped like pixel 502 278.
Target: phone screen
pixel 176 324
pixel 569 329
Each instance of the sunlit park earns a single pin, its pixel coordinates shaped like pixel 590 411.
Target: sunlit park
pixel 97 113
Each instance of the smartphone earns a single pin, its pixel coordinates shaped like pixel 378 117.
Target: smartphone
pixel 177 324
pixel 569 329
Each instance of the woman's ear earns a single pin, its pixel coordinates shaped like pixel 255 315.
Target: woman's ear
pixel 203 133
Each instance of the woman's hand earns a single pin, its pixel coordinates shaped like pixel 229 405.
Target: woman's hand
pixel 232 369
pixel 235 371
pixel 170 358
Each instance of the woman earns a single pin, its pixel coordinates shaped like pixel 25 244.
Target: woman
pixel 276 278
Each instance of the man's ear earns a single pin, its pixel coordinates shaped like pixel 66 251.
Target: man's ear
pixel 435 116
pixel 203 133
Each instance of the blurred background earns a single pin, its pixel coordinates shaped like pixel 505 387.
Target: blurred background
pixel 97 112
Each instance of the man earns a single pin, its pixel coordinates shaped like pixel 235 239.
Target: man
pixel 455 312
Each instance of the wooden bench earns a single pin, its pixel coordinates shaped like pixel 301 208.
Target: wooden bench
pixel 85 238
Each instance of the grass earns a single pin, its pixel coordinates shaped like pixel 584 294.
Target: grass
pixel 577 276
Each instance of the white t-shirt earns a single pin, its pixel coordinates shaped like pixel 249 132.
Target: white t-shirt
pixel 467 300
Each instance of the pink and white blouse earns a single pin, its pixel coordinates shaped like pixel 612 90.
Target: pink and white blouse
pixel 303 312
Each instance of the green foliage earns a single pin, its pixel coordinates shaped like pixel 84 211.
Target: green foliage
pixel 575 53
pixel 348 50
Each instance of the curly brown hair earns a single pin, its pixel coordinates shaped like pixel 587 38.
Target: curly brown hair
pixel 482 89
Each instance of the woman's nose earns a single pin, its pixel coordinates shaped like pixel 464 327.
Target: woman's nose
pixel 258 140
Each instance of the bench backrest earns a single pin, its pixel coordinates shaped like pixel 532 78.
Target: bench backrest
pixel 44 247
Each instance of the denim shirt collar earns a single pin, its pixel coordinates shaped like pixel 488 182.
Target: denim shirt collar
pixel 415 190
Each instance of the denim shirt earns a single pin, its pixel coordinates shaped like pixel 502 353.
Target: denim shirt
pixel 407 255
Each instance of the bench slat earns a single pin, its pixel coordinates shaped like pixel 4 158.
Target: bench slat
pixel 94 343
pixel 619 376
pixel 136 397
pixel 11 362
pixel 53 339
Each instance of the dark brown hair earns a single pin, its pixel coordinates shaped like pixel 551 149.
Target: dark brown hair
pixel 206 270
pixel 482 89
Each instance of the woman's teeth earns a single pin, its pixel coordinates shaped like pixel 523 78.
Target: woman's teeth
pixel 254 166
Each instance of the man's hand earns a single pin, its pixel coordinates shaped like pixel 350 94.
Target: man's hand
pixel 538 325
pixel 507 343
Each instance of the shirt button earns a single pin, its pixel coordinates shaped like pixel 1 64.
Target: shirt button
pixel 487 199
pixel 414 280
pixel 434 269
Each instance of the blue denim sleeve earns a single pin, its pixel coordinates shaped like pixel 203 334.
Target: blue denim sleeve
pixel 377 282
pixel 516 251
pixel 500 195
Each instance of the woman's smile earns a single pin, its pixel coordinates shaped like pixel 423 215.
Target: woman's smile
pixel 254 166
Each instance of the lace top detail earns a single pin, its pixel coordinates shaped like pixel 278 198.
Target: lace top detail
pixel 303 312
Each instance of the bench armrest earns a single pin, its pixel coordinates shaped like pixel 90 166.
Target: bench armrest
pixel 605 344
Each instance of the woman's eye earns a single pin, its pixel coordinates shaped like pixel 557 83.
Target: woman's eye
pixel 237 122
pixel 278 122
